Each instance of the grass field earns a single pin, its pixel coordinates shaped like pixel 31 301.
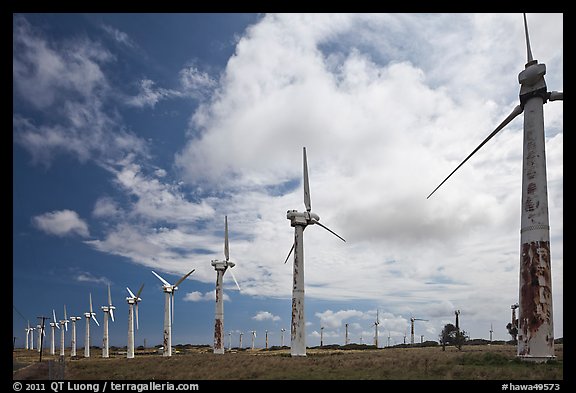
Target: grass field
pixel 473 362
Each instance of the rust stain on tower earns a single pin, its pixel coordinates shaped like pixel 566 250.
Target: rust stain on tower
pixel 536 294
pixel 218 334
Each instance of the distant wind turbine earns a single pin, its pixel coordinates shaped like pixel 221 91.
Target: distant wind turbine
pixel 133 301
pixel 88 316
pixel 53 325
pixel 221 267
pixel 376 323
pixel 536 330
pixel 412 327
pixel 108 310
pixel 73 339
pixel 63 327
pixel 169 290
pixel 300 221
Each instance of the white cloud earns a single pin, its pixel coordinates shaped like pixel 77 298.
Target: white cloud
pixel 150 95
pixel 66 81
pixel 106 207
pixel 61 223
pixel 119 36
pixel 89 277
pixel 265 316
pixel 331 320
pixel 197 296
pixel 196 83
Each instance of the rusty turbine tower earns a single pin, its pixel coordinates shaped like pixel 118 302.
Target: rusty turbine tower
pixel 221 267
pixel 536 327
pixel 300 221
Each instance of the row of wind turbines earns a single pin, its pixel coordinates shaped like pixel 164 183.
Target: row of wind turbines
pixel 536 333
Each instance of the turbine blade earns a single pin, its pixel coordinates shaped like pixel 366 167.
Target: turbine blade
pixel 226 247
pixel 172 306
pixel 184 278
pixel 109 296
pixel 306 185
pixel 112 314
pixel 130 292
pixel 91 311
pixel 556 95
pixel 95 320
pixel 65 317
pixel 330 230
pixel 528 50
pixel 517 110
pixel 136 315
pixel 234 278
pixel 290 253
pixel 140 291
pixel 55 321
pixel 160 278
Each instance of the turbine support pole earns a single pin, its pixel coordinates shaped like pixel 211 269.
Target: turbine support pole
pixel 130 347
pixel 167 325
pixel 73 339
pixel 298 326
pixel 62 339
pixel 87 336
pixel 105 341
pixel 536 329
pixel 219 313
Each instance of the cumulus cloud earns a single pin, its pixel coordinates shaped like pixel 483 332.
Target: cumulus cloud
pixel 61 223
pixel 197 296
pixel 265 316
pixel 89 277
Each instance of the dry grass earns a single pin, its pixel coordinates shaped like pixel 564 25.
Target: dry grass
pixel 482 362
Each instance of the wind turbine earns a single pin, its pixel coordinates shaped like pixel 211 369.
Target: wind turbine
pixel 132 301
pixel 230 340
pixel 282 337
pixel 300 221
pixel 240 342
pixel 346 335
pixel 388 337
pixel 28 330
pixel 536 330
pixel 321 336
pixel 491 331
pixel 88 316
pixel 457 313
pixel 41 333
pixel 253 338
pixel 376 323
pixel 73 339
pixel 63 325
pixel 221 267
pixel 412 319
pixel 53 325
pixel 169 290
pixel 108 310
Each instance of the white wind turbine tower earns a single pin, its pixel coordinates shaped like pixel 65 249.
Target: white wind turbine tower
pixel 412 319
pixel 346 335
pixel 282 337
pixel 53 325
pixel 376 323
pixel 27 330
pixel 63 326
pixel 169 290
pixel 536 330
pixel 491 331
pixel 73 339
pixel 230 340
pixel 221 267
pixel 108 310
pixel 133 301
pixel 253 338
pixel 88 316
pixel 240 342
pixel 41 332
pixel 300 221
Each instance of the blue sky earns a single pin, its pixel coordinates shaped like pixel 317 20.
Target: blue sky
pixel 135 134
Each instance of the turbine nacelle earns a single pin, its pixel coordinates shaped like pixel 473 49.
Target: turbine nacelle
pixel 302 218
pixel 221 265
